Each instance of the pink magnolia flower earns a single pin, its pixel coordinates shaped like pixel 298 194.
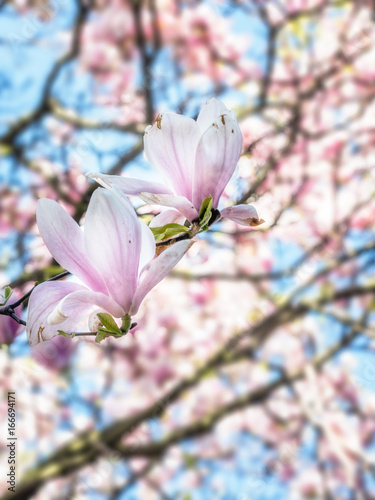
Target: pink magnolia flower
pixel 113 257
pixel 196 159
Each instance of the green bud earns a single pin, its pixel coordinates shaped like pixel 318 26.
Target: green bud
pixel 109 323
pixel 205 212
pixel 110 327
pixel 101 335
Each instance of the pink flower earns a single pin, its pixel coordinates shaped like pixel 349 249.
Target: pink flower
pixel 196 159
pixel 112 257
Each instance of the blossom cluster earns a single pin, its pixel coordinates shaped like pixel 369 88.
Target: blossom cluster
pixel 114 257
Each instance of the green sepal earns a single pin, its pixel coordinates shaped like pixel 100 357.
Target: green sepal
pixel 205 212
pixel 7 294
pixel 109 323
pixel 110 327
pixel 64 334
pixel 101 335
pixel 168 231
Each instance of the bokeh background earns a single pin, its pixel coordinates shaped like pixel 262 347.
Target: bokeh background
pixel 251 373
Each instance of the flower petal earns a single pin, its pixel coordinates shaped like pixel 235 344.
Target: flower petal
pixel 127 185
pixel 64 239
pixel 170 146
pixel 148 247
pixel 180 203
pixel 158 270
pixel 246 215
pixel 42 302
pixel 210 112
pixel 217 155
pixel 168 217
pixel 83 300
pixel 113 243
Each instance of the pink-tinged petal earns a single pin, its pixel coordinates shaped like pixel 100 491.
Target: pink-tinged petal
pixel 158 270
pixel 210 112
pixel 246 215
pixel 83 301
pixel 180 203
pixel 64 239
pixel 113 243
pixel 167 217
pixel 170 146
pixel 148 246
pixel 217 155
pixel 127 185
pixel 43 301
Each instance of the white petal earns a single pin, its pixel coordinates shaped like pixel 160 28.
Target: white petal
pixel 64 239
pixel 170 146
pixel 180 203
pixel 83 300
pixel 245 215
pixel 167 217
pixel 217 155
pixel 127 185
pixel 210 112
pixel 148 246
pixel 42 302
pixel 113 242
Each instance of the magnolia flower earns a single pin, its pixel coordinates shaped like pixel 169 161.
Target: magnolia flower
pixel 196 159
pixel 113 257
